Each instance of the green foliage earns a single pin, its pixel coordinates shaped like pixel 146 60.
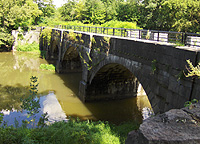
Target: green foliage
pixel 123 129
pixel 180 75
pixel 120 24
pixel 73 131
pixel 31 103
pixel 72 36
pixel 1 118
pixel 153 66
pixel 189 103
pixel 47 8
pixel 6 39
pixel 127 11
pixel 50 67
pixel 20 36
pixel 46 34
pixel 193 71
pixel 67 11
pixel 183 14
pixel 34 47
pixel 43 54
pixel 169 15
pixel 14 14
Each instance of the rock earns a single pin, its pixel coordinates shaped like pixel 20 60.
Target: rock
pixel 177 126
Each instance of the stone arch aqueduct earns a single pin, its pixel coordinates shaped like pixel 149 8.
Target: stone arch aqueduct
pixel 112 66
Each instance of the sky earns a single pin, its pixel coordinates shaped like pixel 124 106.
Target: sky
pixel 58 3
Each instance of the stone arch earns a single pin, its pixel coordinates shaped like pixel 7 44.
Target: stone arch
pixel 53 52
pixel 70 60
pixel 112 81
pixel 133 67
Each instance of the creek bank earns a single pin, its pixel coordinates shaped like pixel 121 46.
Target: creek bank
pixel 177 126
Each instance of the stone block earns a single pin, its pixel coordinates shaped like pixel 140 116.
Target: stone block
pixel 173 85
pixel 150 96
pixel 181 101
pixel 175 101
pixel 184 91
pixel 163 92
pixel 196 92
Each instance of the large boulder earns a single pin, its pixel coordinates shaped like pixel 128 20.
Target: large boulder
pixel 177 126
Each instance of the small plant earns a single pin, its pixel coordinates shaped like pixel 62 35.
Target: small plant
pixel 193 71
pixel 43 54
pixel 93 40
pixel 190 103
pixel 46 34
pixel 80 37
pixel 153 66
pixel 49 67
pixel 31 103
pixel 1 118
pixel 72 36
pixel 20 36
pixel 180 75
pixel 107 40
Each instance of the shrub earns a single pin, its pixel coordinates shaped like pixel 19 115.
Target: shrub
pixel 50 67
pixel 120 24
pixel 46 34
pixel 34 47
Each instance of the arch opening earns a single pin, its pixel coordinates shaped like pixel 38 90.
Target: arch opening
pixel 55 53
pixel 112 81
pixel 71 61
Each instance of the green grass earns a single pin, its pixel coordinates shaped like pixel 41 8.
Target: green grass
pixel 49 67
pixel 72 132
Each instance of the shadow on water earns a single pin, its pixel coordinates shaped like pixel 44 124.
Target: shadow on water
pixel 115 111
pixel 10 96
pixel 71 80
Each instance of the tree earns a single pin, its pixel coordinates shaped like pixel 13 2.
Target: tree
pixel 173 15
pixel 110 9
pixel 47 8
pixel 127 11
pixel 15 13
pixel 67 11
pixel 183 14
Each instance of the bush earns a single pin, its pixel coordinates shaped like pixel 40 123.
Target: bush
pixel 50 67
pixel 113 24
pixel 34 47
pixel 120 24
pixel 46 34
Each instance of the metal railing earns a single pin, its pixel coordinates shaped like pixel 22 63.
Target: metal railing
pixel 179 38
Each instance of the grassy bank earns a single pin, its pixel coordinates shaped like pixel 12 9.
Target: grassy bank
pixel 72 132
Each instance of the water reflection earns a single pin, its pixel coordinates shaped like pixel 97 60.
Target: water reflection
pixel 48 103
pixel 16 70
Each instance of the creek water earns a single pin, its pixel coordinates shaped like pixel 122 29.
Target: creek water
pixel 59 92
